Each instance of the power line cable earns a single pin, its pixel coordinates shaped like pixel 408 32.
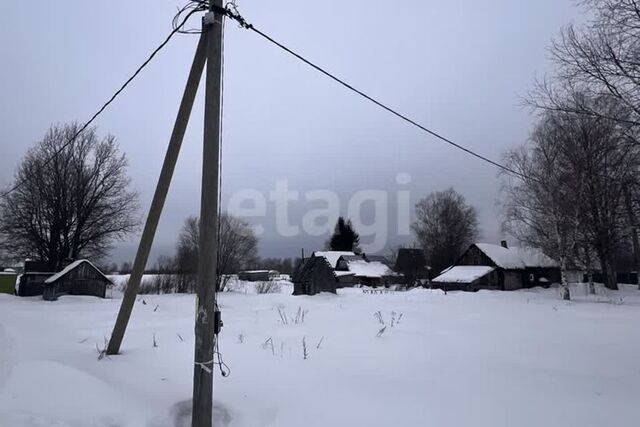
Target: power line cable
pixel 176 29
pixel 232 12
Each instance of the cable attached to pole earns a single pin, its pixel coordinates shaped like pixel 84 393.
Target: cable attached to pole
pixel 176 29
pixel 232 12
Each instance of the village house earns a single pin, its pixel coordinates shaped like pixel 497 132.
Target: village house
pixel 412 264
pixel 344 278
pixel 366 271
pixel 499 267
pixel 79 277
pixel 326 271
pixel 314 275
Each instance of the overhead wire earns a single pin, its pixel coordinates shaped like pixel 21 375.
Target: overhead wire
pixel 176 29
pixel 231 11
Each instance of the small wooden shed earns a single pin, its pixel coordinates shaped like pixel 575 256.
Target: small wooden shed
pixel 80 277
pixel 31 281
pixel 314 275
pixel 8 282
pixel 412 264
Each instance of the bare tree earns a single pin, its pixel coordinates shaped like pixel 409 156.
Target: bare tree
pixel 237 249
pixel 571 200
pixel 445 226
pixel 72 201
pixel 599 57
pixel 542 207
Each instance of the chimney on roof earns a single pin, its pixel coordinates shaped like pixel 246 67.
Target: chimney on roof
pixel 504 244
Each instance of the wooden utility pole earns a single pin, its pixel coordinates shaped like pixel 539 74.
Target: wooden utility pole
pixel 164 181
pixel 207 322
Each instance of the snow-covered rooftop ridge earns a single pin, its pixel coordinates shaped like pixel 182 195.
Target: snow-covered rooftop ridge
pixel 515 257
pixel 70 267
pixel 536 258
pixel 373 269
pixel 332 257
pixel 258 271
pixel 463 273
pixel 339 273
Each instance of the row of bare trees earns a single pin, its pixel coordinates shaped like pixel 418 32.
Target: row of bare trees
pixel 579 195
pixel 238 248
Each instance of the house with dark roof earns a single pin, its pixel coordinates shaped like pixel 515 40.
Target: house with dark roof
pixel 412 264
pixel 31 281
pixel 314 275
pixel 488 266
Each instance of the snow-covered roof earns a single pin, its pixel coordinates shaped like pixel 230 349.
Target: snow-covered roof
pixel 464 274
pixel 339 273
pixel 70 267
pixel 516 258
pixel 535 258
pixel 259 272
pixel 332 256
pixel 373 269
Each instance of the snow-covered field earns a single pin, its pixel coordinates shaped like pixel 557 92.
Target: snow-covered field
pixel 484 359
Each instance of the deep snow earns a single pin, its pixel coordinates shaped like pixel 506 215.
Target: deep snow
pixel 464 359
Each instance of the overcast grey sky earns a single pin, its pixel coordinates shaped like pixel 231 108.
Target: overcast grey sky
pixel 459 67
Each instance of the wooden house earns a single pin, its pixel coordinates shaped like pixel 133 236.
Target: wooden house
pixel 505 269
pixel 80 277
pixel 344 278
pixel 31 282
pixel 366 271
pixel 314 275
pixel 412 264
pixel 77 278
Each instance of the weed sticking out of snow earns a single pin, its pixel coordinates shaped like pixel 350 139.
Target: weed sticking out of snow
pixel 283 316
pixel 378 316
pixel 297 320
pixel 490 350
pixel 102 351
pixel 269 344
pixel 305 353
